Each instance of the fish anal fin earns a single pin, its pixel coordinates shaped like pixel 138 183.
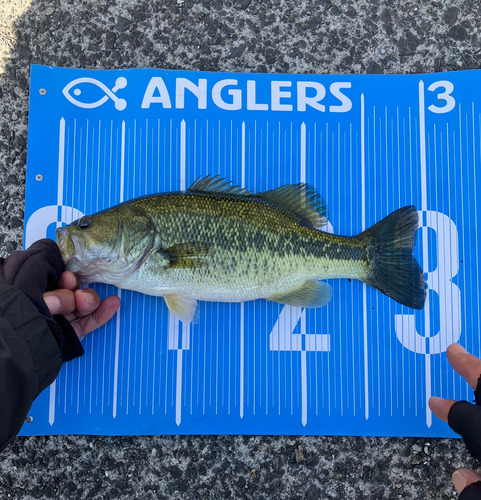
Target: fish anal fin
pixel 186 255
pixel 311 294
pixel 183 308
pixel 302 199
pixel 216 184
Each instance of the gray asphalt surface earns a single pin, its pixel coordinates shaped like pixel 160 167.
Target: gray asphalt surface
pixel 315 36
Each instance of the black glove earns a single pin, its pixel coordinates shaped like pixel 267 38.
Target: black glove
pixel 35 271
pixel 465 419
pixel 471 492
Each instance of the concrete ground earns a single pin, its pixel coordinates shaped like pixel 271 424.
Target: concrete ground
pixel 303 36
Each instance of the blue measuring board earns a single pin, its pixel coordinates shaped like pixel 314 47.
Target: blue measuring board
pixel 362 365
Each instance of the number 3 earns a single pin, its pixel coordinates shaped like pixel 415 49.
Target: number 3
pixel 443 96
pixel 439 281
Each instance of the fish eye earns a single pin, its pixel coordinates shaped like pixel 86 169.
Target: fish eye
pixel 84 223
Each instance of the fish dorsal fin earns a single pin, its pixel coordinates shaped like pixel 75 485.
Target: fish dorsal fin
pixel 216 184
pixel 302 199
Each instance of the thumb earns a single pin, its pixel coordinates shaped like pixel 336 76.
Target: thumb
pixel 463 478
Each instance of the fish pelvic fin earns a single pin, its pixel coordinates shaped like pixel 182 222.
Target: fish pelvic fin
pixel 393 268
pixel 183 308
pixel 302 199
pixel 311 294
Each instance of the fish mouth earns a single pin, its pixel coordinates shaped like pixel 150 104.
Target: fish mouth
pixel 67 246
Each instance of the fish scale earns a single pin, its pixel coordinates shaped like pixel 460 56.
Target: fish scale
pixel 220 243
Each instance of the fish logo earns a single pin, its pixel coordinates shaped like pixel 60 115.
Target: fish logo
pixel 120 83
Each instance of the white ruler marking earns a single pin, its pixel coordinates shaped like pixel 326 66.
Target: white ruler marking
pixel 364 290
pixel 424 207
pixel 119 293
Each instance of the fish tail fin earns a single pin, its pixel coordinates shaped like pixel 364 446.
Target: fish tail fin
pixel 393 268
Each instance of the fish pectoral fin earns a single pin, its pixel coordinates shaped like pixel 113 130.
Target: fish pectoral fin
pixel 186 255
pixel 311 294
pixel 184 308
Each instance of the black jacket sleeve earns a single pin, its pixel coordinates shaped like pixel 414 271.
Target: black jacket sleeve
pixel 465 419
pixel 33 344
pixel 30 359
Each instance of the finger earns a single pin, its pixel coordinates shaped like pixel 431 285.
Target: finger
pixel 60 301
pixel 440 407
pixel 86 302
pixel 463 478
pixel 99 317
pixel 68 280
pixel 467 365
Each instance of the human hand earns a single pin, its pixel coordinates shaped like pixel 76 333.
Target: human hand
pixel 464 418
pixel 82 308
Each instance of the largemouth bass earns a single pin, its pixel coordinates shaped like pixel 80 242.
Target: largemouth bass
pixel 217 242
